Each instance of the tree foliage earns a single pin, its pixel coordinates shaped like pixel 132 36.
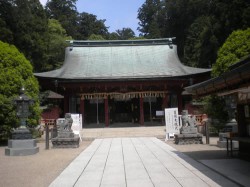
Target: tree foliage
pixel 95 37
pixel 236 47
pixel 80 26
pixel 216 110
pixel 125 33
pixel 200 26
pixel 113 36
pixel 65 12
pixel 56 45
pixel 201 44
pixel 152 19
pixel 15 72
pixel 89 24
pixel 25 25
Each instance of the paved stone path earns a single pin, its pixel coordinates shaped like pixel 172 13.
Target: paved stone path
pixel 136 162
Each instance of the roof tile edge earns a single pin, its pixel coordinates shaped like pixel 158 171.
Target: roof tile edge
pixel 88 43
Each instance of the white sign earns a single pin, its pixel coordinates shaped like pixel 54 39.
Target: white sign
pixel 172 122
pixel 77 122
pixel 159 113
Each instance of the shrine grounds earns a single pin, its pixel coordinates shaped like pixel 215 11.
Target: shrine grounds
pixel 42 168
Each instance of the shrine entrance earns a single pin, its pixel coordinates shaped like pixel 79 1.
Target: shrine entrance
pixel 122 110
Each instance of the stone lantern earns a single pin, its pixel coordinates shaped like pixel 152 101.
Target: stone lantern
pixel 22 142
pixel 22 102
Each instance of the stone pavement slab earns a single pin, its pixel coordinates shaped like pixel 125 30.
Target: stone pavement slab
pixel 118 132
pixel 136 162
pixel 235 169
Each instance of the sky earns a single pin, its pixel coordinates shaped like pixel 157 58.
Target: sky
pixel 118 13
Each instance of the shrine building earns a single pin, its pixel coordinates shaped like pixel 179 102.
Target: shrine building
pixel 128 81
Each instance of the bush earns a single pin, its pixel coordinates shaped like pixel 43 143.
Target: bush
pixel 15 72
pixel 235 48
pixel 215 108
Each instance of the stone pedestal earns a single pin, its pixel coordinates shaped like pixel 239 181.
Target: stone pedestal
pixel 189 130
pixel 67 140
pixel 21 147
pixel 21 134
pixel 223 144
pixel 182 139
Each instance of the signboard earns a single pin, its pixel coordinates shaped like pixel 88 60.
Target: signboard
pixel 172 122
pixel 159 113
pixel 77 122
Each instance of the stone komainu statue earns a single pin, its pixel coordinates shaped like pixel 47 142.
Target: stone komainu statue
pixel 188 124
pixel 67 124
pixel 188 121
pixel 188 131
pixel 65 136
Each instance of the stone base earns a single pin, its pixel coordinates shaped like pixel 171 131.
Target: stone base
pixel 223 144
pixel 21 134
pixel 65 142
pixel 189 130
pixel 65 134
pixel 21 147
pixel 182 139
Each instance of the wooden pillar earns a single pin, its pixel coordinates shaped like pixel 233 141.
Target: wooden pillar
pixel 165 102
pixel 242 128
pixel 141 112
pixel 179 96
pixel 106 112
pixel 82 110
pixel 66 103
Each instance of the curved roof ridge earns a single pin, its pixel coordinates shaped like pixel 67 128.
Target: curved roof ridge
pixel 122 62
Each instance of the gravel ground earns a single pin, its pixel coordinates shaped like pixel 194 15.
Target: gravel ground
pixel 36 170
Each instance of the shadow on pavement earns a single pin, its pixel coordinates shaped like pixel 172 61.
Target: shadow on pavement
pixel 218 162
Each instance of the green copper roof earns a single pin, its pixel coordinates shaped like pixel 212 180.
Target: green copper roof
pixel 121 60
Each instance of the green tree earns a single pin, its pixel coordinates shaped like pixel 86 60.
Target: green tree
pixel 201 44
pixel 6 33
pixel 56 45
pixel 137 38
pixel 235 47
pixel 210 22
pixel 180 15
pixel 15 72
pixel 152 18
pixel 65 12
pixel 95 37
pixel 125 33
pixel 229 16
pixel 216 111
pixel 25 26
pixel 89 24
pixel 113 36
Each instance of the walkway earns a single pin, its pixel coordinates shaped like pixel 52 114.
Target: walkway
pixel 138 162
pixel 152 131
